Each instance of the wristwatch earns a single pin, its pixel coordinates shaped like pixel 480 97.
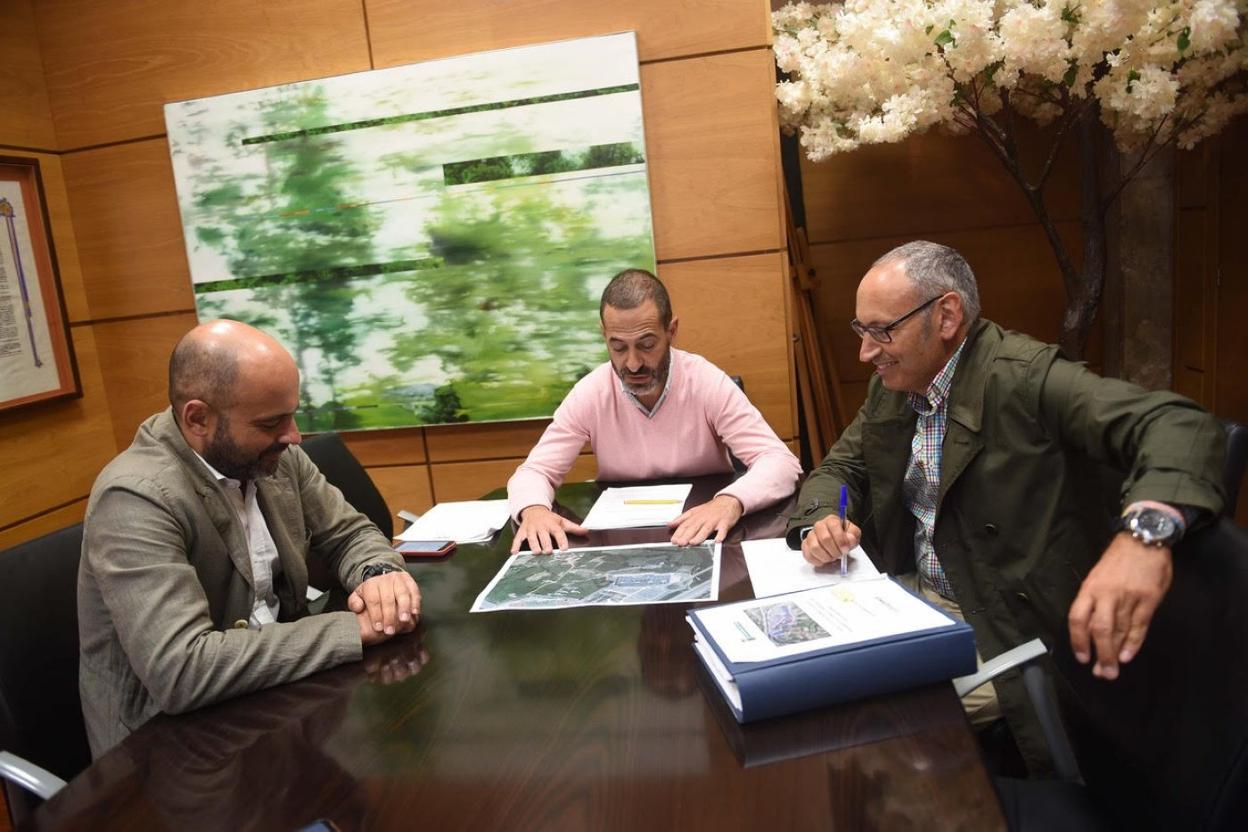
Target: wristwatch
pixel 375 569
pixel 1151 526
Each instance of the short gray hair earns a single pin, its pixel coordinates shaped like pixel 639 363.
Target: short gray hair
pixel 633 287
pixel 934 270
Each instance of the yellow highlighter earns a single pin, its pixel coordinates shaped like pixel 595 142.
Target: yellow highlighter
pixel 641 502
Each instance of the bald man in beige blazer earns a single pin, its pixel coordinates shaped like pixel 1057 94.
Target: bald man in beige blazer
pixel 193 580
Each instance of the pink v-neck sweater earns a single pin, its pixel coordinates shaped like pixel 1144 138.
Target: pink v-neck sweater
pixel 701 417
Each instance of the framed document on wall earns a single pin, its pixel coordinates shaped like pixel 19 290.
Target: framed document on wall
pixel 36 355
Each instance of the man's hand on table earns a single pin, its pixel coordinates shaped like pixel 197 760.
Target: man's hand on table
pixel 1116 603
pixel 828 541
pixel 544 530
pixel 385 605
pixel 715 518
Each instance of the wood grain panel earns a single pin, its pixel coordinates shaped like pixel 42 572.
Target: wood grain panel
pixel 27 120
pixel 714 154
pixel 1192 383
pixel 1230 382
pixel 1192 244
pixel 401 446
pixel 134 357
pixel 43 524
pixel 128 229
pixel 404 487
pixel 1192 172
pixel 470 480
pixel 1020 286
pixel 111 66
pixel 51 453
pixel 732 312
pixel 927 184
pixel 404 32
pixel 485 440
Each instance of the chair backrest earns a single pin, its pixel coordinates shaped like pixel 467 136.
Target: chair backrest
pixel 343 470
pixel 1166 744
pixel 40 710
pixel 1236 461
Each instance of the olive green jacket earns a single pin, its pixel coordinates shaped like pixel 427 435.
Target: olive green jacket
pixel 1039 456
pixel 165 587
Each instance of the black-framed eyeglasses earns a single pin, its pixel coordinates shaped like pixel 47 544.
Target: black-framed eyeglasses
pixel 884 334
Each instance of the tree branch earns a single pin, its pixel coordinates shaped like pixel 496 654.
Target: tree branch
pixel 1150 151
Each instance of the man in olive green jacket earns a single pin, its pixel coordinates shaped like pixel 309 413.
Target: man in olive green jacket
pixel 193 581
pixel 995 468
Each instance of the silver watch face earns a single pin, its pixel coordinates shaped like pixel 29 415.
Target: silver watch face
pixel 1151 526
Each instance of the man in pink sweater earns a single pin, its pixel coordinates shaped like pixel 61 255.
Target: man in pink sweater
pixel 652 412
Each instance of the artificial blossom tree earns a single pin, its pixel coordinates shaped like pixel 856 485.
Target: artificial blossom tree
pixel 1153 74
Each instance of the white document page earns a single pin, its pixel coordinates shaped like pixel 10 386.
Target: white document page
pixel 720 673
pixel 638 506
pixel 472 521
pixel 775 568
pixel 787 625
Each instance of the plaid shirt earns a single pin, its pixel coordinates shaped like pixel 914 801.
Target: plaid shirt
pixel 922 482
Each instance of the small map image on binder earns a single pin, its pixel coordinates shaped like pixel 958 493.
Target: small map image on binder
pixel 786 623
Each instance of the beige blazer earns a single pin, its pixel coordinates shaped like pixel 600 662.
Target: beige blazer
pixel 165 586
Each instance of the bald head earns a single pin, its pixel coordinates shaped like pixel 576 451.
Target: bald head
pixel 211 361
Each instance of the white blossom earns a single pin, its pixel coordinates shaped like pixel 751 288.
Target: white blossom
pixel 870 71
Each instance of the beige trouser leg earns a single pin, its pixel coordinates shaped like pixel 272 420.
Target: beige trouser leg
pixel 981 704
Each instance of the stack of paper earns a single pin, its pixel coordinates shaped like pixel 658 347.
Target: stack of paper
pixel 788 653
pixel 471 521
pixel 638 506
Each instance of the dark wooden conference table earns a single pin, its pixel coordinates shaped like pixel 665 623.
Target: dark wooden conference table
pixel 591 718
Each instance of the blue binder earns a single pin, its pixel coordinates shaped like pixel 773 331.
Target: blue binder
pixel 845 672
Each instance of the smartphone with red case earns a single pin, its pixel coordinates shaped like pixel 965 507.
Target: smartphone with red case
pixel 425 548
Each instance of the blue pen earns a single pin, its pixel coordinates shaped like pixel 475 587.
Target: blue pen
pixel 844 503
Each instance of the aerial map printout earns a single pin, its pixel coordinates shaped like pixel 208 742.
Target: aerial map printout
pixel 648 573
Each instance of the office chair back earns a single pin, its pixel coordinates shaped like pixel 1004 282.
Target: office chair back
pixel 40 710
pixel 343 470
pixel 1165 746
pixel 1236 462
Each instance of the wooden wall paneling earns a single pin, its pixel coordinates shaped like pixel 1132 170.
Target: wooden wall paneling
pixel 732 312
pixel 51 453
pixel 1020 286
pixel 404 487
pixel 68 266
pixel 405 32
pixel 710 136
pixel 27 120
pixel 1195 272
pixel 129 230
pixel 1192 172
pixel 486 440
pixel 47 523
pixel 112 66
pixel 1191 316
pixel 924 185
pixel 399 446
pixel 1231 380
pixel 470 480
pixel 134 359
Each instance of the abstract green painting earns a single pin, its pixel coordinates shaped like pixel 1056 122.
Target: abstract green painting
pixel 429 241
